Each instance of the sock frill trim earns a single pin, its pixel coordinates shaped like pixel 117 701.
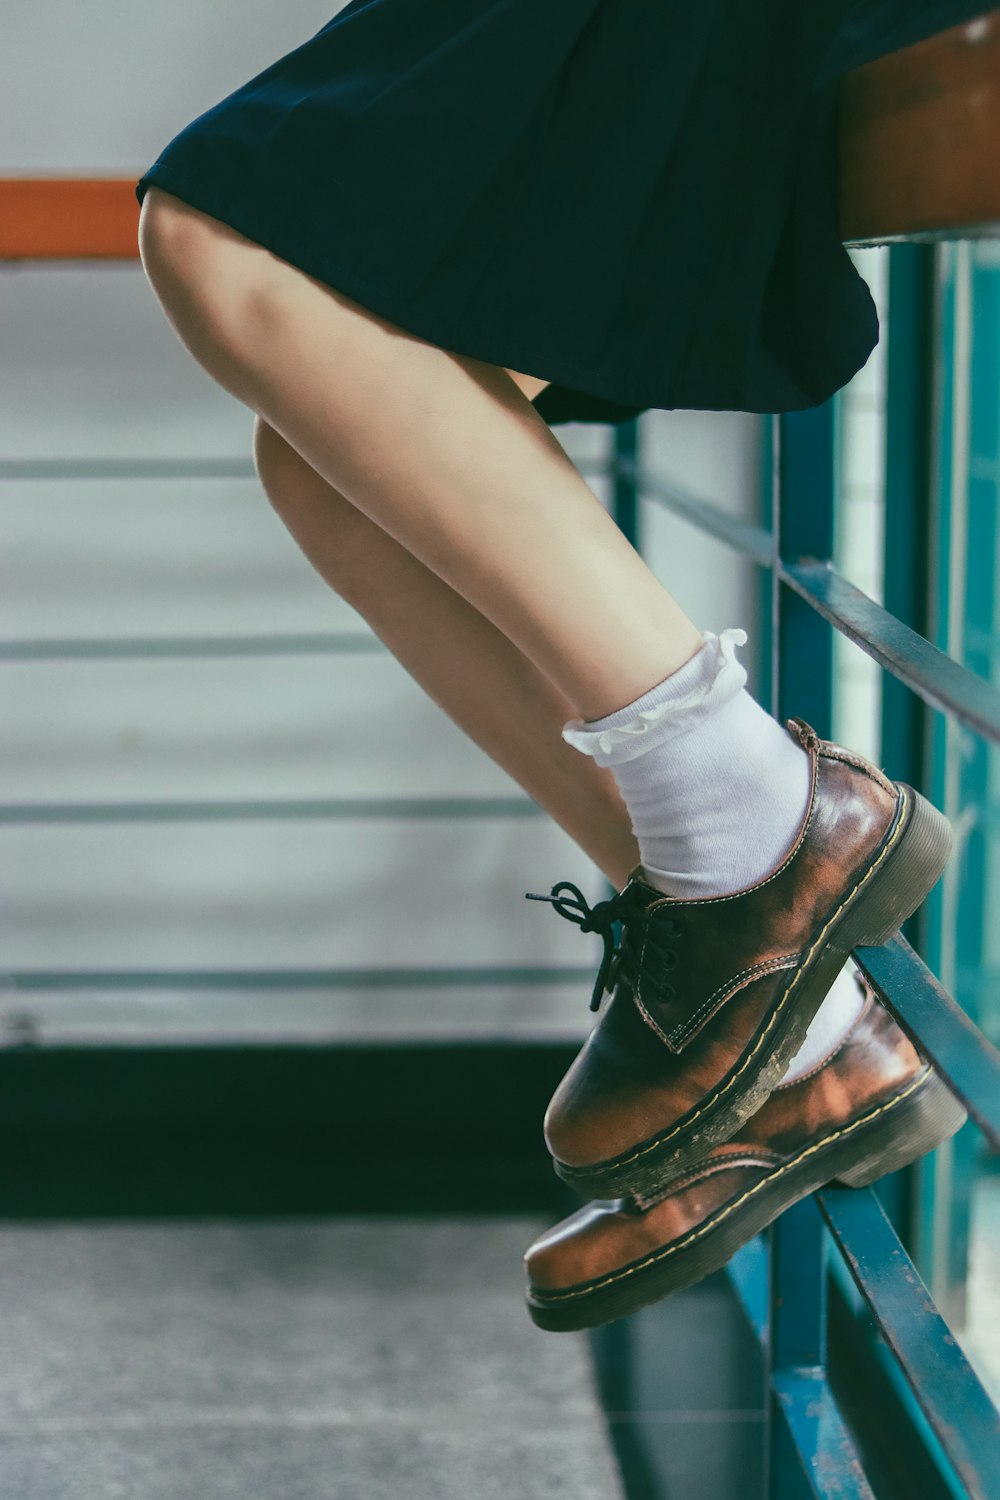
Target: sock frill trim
pixel 670 709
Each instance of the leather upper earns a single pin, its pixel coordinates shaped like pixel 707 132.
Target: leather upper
pixel 716 946
pixel 875 1062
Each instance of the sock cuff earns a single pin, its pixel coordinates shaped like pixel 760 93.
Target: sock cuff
pixel 676 705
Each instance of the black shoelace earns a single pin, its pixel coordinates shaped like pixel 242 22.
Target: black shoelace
pixel 618 961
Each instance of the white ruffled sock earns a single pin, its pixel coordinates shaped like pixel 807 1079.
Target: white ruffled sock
pixel 715 787
pixel 845 1000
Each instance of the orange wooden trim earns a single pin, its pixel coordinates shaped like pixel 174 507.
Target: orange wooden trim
pixel 68 218
pixel 920 139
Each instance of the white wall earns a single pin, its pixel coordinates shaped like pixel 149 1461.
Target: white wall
pixel 90 371
pixel 858 545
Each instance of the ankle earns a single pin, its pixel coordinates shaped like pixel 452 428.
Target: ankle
pixel 717 790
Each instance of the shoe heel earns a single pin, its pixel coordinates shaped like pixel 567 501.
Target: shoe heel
pixel 918 1125
pixel 909 874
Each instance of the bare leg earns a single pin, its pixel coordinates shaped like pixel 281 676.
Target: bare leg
pixel 443 452
pixel 486 685
pixel 458 657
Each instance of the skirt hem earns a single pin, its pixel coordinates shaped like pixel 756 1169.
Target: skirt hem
pixel 572 394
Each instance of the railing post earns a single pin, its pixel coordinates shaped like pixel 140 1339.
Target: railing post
pixel 802 528
pixel 803 477
pixel 797 1343
pixel 909 444
pixel 958 916
pixel 908 461
pixel 624 491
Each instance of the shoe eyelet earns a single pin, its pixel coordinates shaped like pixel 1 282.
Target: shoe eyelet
pixel 667 992
pixel 668 959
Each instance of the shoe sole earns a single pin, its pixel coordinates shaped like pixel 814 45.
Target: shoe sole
pixel 886 1138
pixel 898 878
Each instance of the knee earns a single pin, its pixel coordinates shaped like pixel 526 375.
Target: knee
pixel 204 275
pixel 175 245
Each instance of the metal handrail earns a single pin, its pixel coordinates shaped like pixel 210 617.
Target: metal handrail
pixel 947 1389
pixel 968 1062
pixel 935 677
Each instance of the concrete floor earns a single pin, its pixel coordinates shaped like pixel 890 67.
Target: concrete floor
pixel 306 1360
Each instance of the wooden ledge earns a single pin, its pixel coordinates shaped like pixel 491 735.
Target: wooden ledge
pixel 920 140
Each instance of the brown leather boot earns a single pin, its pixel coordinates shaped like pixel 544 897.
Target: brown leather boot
pixel 712 997
pixel 872 1107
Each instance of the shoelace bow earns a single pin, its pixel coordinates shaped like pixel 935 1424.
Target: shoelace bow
pixel 570 902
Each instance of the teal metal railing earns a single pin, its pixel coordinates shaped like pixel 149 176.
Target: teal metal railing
pixel 839 1258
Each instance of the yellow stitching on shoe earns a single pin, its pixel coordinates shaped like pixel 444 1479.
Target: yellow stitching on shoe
pixel 851 758
pixel 772 966
pixel 730 1208
pixel 726 991
pixel 661 1141
pixel 766 1159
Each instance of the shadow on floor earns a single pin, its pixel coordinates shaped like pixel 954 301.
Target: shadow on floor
pixel 683 1385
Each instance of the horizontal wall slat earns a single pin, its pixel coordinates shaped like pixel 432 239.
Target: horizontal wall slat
pixel 183 558
pixel 92 369
pixel 254 895
pixel 396 809
pixel 72 470
pixel 231 731
pixel 528 1004
pixel 185 648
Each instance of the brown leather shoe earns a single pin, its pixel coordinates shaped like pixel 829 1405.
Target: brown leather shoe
pixel 872 1107
pixel 713 997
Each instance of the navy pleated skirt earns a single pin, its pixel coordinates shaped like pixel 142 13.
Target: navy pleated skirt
pixel 633 199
